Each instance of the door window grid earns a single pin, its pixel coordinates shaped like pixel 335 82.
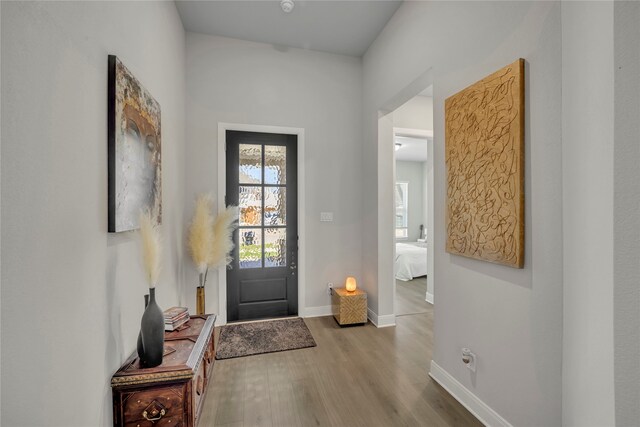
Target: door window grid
pixel 262 230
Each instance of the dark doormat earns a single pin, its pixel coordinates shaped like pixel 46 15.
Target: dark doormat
pixel 246 339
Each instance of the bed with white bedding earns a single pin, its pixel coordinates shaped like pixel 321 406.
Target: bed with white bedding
pixel 411 260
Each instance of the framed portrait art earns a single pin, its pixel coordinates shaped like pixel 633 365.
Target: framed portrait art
pixel 134 138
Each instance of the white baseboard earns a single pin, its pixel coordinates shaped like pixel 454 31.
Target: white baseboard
pixel 381 321
pixel 429 298
pixel 477 407
pixel 386 321
pixel 320 311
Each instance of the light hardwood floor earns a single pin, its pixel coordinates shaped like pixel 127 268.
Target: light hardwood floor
pixel 410 297
pixel 356 376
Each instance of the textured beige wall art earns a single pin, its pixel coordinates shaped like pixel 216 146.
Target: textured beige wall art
pixel 484 154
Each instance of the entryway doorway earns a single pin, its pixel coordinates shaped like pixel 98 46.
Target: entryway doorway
pixel 411 200
pixel 262 180
pixel 413 205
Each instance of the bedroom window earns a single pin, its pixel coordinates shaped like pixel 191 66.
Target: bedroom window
pixel 402 205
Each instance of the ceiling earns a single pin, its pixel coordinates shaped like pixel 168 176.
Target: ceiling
pixel 412 149
pixel 343 27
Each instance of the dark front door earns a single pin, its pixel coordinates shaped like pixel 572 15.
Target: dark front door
pixel 262 182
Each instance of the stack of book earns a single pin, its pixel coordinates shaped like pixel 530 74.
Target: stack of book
pixel 175 317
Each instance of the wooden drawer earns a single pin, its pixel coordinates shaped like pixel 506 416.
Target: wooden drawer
pixel 209 359
pixel 201 379
pixel 198 386
pixel 155 406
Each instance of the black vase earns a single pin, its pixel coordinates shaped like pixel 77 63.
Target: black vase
pixel 152 332
pixel 140 348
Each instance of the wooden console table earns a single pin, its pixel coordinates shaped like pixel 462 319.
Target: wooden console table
pixel 171 394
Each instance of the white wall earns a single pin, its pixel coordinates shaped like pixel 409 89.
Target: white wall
pixel 511 318
pixel 72 294
pixel 626 212
pixel 235 81
pixel 416 113
pixel 411 172
pixel 427 209
pixel 587 177
pixel 1 96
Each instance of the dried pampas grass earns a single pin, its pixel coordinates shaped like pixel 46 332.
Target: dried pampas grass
pixel 223 228
pixel 151 249
pixel 210 239
pixel 201 233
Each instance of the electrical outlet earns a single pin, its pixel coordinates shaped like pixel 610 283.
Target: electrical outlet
pixel 326 216
pixel 329 288
pixel 469 359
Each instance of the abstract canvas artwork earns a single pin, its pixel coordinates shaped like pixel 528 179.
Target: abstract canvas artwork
pixel 135 179
pixel 484 155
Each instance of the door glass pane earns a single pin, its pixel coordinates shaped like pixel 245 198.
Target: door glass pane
pixel 250 164
pixel 275 205
pixel 275 247
pixel 250 205
pixel 275 164
pixel 250 247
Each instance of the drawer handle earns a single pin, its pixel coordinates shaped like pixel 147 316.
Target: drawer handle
pixel 146 416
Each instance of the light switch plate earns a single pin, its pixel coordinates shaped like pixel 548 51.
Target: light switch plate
pixel 326 216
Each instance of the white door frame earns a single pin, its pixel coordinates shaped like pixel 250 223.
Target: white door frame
pixel 428 134
pixel 222 189
pixel 385 225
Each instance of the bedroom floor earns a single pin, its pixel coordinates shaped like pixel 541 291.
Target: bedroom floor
pixel 410 297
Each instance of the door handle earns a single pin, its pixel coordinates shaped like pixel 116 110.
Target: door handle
pixel 293 265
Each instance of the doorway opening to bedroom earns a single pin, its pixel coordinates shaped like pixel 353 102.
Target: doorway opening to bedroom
pixel 413 206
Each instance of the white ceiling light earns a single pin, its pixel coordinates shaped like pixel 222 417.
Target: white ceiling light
pixel 412 149
pixel 287 6
pixel 398 145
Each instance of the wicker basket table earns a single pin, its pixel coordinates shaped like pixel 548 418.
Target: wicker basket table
pixel 349 307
